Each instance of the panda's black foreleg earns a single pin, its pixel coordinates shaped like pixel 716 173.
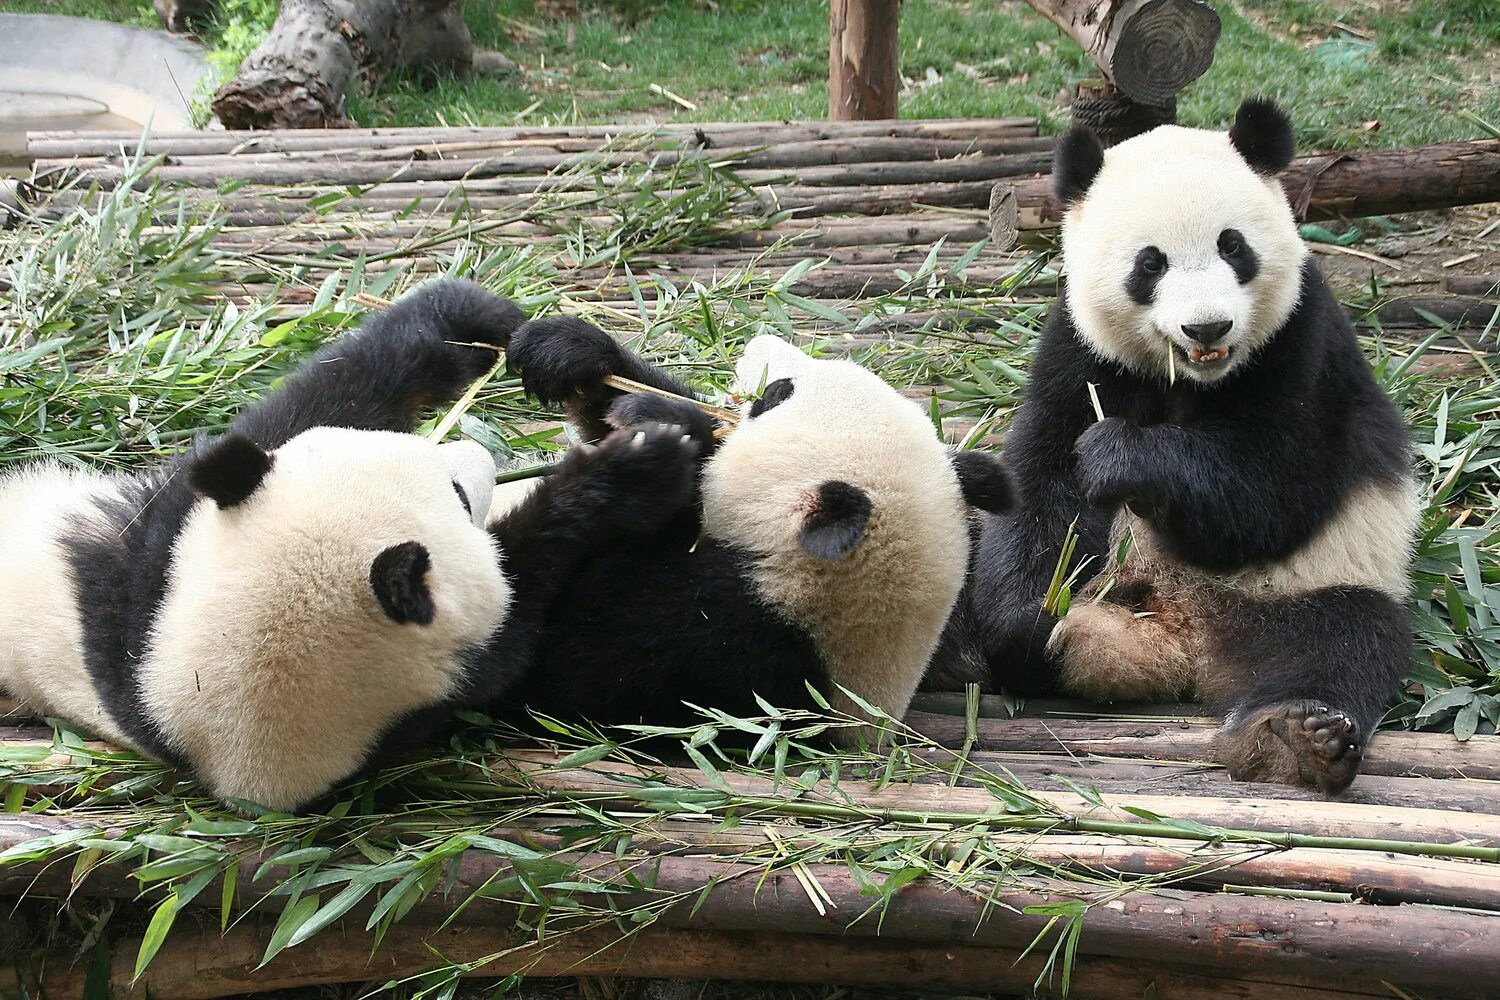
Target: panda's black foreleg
pixel 416 353
pixel 633 482
pixel 564 360
pixel 1303 682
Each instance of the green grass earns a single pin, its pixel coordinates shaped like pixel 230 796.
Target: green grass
pixel 1419 68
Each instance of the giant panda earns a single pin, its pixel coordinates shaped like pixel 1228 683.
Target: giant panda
pixel 826 546
pixel 285 605
pixel 1254 474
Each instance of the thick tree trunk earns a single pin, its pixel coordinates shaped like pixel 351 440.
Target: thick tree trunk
pixel 300 75
pixel 1149 49
pixel 863 59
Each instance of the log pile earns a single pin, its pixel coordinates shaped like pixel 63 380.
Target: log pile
pixel 1252 890
pixel 866 200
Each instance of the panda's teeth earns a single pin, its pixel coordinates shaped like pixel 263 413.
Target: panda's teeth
pixel 1199 356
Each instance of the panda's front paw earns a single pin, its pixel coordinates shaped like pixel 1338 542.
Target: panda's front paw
pixel 1107 461
pixel 636 409
pixel 561 357
pixel 639 477
pixel 455 320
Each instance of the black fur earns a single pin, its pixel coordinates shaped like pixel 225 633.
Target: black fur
pixel 229 470
pixel 837 521
pixel 563 360
pixel 1239 255
pixel 1229 475
pixel 776 393
pixel 1075 163
pixel 398 576
pixel 984 481
pixel 1150 264
pixel 378 378
pixel 1262 133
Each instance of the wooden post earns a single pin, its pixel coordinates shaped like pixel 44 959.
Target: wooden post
pixel 1149 49
pixel 863 59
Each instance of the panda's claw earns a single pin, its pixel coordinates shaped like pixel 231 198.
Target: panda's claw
pixel 639 477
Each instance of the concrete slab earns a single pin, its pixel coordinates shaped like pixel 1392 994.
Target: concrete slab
pixel 135 73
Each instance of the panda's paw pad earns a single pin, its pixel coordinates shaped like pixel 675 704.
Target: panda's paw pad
pixel 1326 741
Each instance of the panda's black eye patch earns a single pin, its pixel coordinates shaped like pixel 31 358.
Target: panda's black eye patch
pixel 463 498
pixel 1150 265
pixel 1238 255
pixel 776 393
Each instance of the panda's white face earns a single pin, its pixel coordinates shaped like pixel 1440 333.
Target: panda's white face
pixel 841 491
pixel 342 592
pixel 1180 258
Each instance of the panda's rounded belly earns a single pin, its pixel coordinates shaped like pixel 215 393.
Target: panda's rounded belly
pixel 1368 543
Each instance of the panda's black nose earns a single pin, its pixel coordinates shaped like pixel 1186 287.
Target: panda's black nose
pixel 1207 333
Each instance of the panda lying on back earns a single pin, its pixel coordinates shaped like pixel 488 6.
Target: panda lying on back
pixel 827 545
pixel 282 606
pixel 1268 490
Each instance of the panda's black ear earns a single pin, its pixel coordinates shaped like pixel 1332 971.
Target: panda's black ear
pixel 1076 161
pixel 1262 134
pixel 229 470
pixel 984 481
pixel 399 578
pixel 836 524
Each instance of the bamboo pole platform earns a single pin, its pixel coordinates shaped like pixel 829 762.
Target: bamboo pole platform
pixel 867 200
pixel 1246 890
pixel 878 236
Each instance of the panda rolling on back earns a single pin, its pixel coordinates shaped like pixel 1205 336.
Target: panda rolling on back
pixel 1260 478
pixel 283 606
pixel 827 544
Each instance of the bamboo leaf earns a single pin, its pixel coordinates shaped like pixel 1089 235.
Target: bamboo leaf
pixel 299 910
pixel 162 919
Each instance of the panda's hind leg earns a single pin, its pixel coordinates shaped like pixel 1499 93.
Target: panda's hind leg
pixel 1303 682
pixel 1138 642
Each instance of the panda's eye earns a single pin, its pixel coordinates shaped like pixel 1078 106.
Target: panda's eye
pixel 463 498
pixel 1231 243
pixel 1151 260
pixel 776 393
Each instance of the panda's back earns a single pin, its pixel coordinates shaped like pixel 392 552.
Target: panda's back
pixel 41 627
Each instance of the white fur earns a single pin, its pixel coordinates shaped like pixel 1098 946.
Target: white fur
pixel 1368 543
pixel 1177 189
pixel 41 636
pixel 272 668
pixel 875 614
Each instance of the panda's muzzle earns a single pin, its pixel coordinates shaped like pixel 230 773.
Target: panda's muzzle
pixel 1205 336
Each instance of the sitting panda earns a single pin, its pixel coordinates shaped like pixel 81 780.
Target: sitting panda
pixel 280 607
pixel 1260 478
pixel 827 544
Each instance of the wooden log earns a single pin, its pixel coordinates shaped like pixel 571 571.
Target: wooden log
pixel 1420 310
pixel 300 73
pixel 1149 49
pixel 864 64
pixel 549 153
pixel 1435 755
pixel 1483 285
pixel 529 172
pixel 55 144
pixel 1256 817
pixel 1144 777
pixel 199 964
